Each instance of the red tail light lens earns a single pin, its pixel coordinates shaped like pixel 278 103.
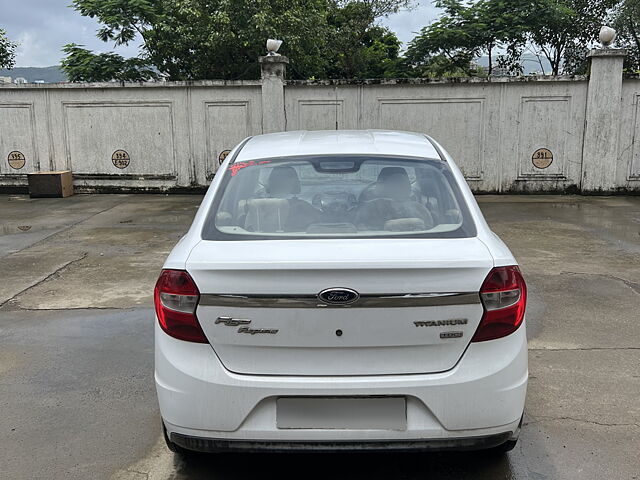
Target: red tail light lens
pixel 504 297
pixel 176 299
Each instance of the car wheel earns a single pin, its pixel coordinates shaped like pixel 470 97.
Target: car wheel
pixel 505 447
pixel 172 446
pixel 509 444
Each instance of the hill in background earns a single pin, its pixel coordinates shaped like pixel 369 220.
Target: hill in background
pixel 530 64
pixel 55 74
pixel 32 74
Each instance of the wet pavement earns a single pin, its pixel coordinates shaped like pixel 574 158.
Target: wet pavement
pixel 76 348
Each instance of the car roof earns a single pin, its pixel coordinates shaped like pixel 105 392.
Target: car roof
pixel 331 142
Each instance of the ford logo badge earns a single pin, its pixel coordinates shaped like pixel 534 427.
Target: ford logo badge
pixel 338 296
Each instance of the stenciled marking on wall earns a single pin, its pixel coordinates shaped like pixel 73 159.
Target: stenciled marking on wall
pixel 120 159
pixel 223 155
pixel 542 158
pixel 16 160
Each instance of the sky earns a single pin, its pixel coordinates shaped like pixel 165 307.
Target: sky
pixel 42 27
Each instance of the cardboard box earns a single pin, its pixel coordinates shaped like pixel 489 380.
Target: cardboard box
pixel 50 184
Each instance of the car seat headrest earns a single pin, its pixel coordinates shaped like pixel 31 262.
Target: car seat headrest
pixel 283 180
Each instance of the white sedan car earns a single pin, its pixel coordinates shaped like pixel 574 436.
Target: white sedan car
pixel 339 290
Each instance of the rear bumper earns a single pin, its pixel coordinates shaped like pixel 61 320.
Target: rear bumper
pixel 211 445
pixel 481 398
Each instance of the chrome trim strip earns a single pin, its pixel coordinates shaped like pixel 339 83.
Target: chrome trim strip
pixel 365 301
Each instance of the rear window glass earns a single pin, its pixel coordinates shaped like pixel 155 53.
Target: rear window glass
pixel 338 196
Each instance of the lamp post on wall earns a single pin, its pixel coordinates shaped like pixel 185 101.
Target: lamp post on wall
pixel 607 36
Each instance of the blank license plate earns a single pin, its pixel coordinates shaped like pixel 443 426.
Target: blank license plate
pixel 386 413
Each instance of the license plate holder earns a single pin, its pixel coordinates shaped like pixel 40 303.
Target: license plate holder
pixel 342 413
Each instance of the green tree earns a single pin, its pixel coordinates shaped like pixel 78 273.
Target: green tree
pixel 559 30
pixel 81 65
pixel 358 48
pixel 381 52
pixel 7 51
pixel 199 39
pixel 379 8
pixel 444 46
pixel 626 20
pixel 467 30
pixel 222 39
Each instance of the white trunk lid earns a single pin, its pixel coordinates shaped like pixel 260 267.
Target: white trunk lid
pixel 264 293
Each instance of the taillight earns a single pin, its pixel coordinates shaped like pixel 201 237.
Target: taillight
pixel 504 297
pixel 176 299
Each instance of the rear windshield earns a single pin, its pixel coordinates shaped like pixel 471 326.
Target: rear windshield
pixel 338 196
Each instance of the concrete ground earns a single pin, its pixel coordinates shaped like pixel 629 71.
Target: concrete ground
pixel 76 349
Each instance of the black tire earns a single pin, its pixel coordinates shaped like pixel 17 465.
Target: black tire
pixel 170 445
pixel 183 452
pixel 509 444
pixel 505 447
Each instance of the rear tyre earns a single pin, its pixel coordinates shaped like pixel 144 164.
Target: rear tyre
pixel 172 446
pixel 509 444
pixel 505 447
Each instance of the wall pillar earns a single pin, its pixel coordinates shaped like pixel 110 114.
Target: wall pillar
pixel 273 71
pixel 602 122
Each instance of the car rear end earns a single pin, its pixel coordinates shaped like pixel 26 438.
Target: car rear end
pixel 331 330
